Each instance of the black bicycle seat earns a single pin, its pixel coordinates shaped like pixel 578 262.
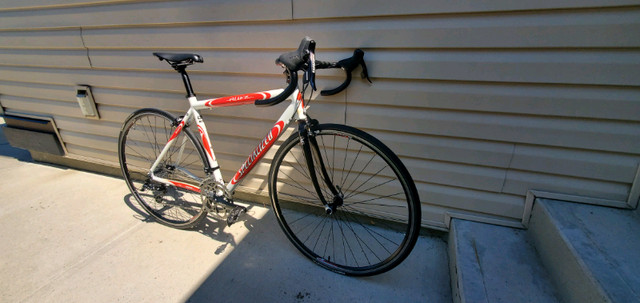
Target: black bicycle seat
pixel 179 59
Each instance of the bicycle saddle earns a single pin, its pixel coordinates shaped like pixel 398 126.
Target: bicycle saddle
pixel 295 60
pixel 179 59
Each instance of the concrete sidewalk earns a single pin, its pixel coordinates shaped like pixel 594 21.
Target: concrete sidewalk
pixel 68 235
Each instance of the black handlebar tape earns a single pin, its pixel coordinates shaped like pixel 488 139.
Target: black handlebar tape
pixel 293 83
pixel 329 92
pixel 348 65
pixel 326 64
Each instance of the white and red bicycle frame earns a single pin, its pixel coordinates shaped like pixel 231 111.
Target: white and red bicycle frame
pixel 295 111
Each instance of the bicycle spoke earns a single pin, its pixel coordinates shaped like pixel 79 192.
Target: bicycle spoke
pixel 144 137
pixel 365 225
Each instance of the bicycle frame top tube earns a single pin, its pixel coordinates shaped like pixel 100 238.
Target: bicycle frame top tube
pixel 234 100
pixel 294 111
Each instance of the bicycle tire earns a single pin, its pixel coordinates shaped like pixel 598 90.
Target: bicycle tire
pixel 381 202
pixel 143 135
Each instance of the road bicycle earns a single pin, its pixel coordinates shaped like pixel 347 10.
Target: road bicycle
pixel 342 197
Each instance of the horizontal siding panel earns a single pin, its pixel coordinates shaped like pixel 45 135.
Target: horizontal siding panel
pixel 235 61
pixel 46 58
pixel 472 177
pixel 108 147
pixel 601 28
pixel 38 91
pixel 478 201
pixel 113 113
pixel 622 103
pixel 216 84
pixel 132 99
pixel 221 61
pixel 163 12
pixel 50 39
pixel 103 143
pixel 89 126
pixel 252 129
pixel 576 163
pixel 611 67
pixel 436 196
pixel 493 154
pixel 42 107
pixel 359 8
pixel 92 133
pixel 178 103
pixel 519 182
pixel 573 67
pixel 586 134
pixel 222 142
pixel 160 81
pixel 92 153
pixel 39 4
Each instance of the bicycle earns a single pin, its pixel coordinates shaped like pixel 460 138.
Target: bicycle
pixel 342 197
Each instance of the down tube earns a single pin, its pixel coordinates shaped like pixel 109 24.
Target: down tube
pixel 276 131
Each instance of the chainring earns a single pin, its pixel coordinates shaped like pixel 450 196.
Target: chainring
pixel 213 192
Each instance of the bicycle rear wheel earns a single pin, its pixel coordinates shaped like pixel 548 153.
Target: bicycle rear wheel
pixel 376 219
pixel 142 138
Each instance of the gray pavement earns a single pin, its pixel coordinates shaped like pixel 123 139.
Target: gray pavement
pixel 73 236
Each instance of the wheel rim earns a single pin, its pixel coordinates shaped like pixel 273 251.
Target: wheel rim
pixel 370 226
pixel 143 139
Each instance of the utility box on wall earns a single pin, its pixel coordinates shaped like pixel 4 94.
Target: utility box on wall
pixel 33 134
pixel 86 102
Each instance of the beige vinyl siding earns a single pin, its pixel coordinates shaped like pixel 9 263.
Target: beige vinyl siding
pixel 483 101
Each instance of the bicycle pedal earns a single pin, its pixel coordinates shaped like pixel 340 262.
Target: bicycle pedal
pixel 234 214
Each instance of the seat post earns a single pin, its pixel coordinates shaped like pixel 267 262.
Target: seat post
pixel 185 79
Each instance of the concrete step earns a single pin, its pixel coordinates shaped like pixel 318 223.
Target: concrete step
pixel 591 252
pixel 491 263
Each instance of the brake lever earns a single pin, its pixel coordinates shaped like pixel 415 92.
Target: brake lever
pixel 312 70
pixel 364 74
pixel 348 65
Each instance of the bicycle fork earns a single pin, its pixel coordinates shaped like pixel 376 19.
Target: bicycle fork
pixel 313 158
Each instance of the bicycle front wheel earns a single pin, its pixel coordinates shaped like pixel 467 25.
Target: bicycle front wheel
pixel 142 138
pixel 375 217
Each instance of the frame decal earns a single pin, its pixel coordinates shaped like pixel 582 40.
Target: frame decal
pixel 237 100
pixel 185 186
pixel 259 152
pixel 178 130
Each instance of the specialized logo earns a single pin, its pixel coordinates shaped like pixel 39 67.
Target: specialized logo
pixel 260 150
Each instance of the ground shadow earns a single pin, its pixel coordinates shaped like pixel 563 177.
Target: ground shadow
pixel 9 151
pixel 266 267
pixel 213 226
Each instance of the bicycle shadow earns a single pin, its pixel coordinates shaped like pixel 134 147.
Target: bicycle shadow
pixel 213 226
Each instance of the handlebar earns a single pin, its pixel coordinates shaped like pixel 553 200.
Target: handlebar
pixel 348 65
pixel 292 79
pixel 304 59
